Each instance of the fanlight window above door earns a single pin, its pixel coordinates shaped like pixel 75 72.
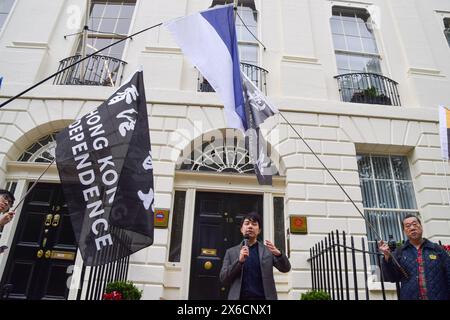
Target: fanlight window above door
pixel 221 156
pixel 41 151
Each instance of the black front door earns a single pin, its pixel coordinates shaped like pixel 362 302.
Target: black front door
pixel 43 253
pixel 216 228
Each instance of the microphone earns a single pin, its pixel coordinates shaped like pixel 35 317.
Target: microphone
pixel 246 237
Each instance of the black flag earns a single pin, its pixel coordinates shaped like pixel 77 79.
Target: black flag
pixel 257 110
pixel 105 165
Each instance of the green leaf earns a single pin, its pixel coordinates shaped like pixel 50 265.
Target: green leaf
pixel 126 288
pixel 315 295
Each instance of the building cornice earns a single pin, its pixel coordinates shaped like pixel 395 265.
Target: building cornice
pixel 203 99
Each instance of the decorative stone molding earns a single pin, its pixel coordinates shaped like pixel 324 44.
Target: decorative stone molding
pixel 300 59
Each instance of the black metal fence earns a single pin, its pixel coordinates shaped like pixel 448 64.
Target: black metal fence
pixel 334 268
pixel 256 74
pixel 368 88
pixel 96 71
pixel 98 277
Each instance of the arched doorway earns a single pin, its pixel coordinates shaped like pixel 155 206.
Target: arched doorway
pixel 42 247
pixel 216 228
pixel 220 186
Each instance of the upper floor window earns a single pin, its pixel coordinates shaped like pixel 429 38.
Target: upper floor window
pixel 248 46
pixel 109 21
pixel 354 41
pixel 246 29
pixel 447 29
pixel 358 60
pixel 5 8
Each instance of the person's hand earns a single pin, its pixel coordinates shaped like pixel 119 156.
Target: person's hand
pixel 272 248
pixel 384 248
pixel 7 217
pixel 243 254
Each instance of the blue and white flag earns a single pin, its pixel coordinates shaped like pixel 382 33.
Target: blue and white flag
pixel 208 40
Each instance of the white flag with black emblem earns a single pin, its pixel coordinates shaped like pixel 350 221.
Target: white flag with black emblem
pixel 258 106
pixel 257 110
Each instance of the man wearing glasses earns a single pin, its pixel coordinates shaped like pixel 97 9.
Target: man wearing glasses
pixel 426 264
pixel 6 202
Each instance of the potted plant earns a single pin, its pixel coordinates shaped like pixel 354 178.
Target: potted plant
pixel 371 95
pixel 122 290
pixel 370 92
pixel 315 295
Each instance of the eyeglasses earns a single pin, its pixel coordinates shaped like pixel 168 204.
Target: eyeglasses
pixel 412 224
pixel 6 201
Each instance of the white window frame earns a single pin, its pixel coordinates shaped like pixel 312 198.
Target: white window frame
pixel 442 16
pixel 396 210
pixel 371 155
pixel 111 36
pixel 356 53
pixel 253 42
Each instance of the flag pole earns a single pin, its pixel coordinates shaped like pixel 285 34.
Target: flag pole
pixel 84 40
pixel 345 192
pixel 74 64
pixel 33 185
pixel 334 178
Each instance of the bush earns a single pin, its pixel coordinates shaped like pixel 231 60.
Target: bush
pixel 126 288
pixel 371 92
pixel 315 295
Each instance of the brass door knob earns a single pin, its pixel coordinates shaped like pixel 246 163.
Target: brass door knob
pixel 48 220
pixel 208 265
pixel 56 219
pixel 48 254
pixel 40 253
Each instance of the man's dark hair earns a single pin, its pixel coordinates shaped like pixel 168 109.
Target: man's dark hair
pixel 411 216
pixel 252 216
pixel 8 195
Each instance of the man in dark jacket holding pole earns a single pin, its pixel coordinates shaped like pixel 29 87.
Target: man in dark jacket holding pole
pixel 248 268
pixel 427 265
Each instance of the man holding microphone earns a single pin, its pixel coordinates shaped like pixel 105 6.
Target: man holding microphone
pixel 248 268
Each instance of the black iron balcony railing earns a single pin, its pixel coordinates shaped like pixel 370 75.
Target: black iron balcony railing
pixel 369 88
pixel 256 74
pixel 98 71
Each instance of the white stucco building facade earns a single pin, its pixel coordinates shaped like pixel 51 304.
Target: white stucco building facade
pixel 304 52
